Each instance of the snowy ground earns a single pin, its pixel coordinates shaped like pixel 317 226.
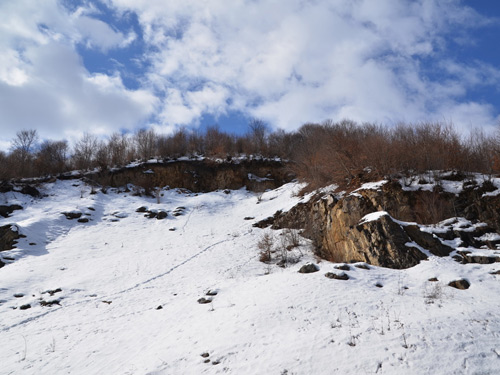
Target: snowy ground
pixel 115 271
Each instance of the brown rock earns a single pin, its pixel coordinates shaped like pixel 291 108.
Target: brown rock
pixel 460 284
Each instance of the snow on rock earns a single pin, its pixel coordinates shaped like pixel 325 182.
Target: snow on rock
pixel 372 216
pixel 125 297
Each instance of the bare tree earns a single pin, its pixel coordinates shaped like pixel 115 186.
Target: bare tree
pixel 23 147
pixel 257 133
pixel 84 151
pixel 52 157
pixel 145 141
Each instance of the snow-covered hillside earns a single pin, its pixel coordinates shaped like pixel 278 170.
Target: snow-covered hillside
pixel 120 294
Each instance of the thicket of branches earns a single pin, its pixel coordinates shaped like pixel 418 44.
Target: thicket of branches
pixel 344 153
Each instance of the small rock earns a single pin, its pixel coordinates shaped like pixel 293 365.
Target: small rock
pixel 18 295
pixel 249 218
pixel 50 303
pixel 30 190
pixel 433 279
pixel 343 267
pixel 204 300
pixel 495 272
pixel 206 361
pixel 72 215
pixel 83 220
pixel 378 285
pixel 460 284
pixel 142 209
pixel 172 229
pixel 159 307
pixel 342 276
pixel 161 215
pixel 107 302
pixel 205 355
pixel 25 307
pixel 215 363
pixel 309 268
pixel 91 208
pixel 212 292
pixel 362 266
pixel 32 243
pixel 52 292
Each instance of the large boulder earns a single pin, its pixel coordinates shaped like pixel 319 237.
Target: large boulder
pixel 5 211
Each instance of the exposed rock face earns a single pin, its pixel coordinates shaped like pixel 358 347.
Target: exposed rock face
pixel 8 237
pixel 201 175
pixel 338 233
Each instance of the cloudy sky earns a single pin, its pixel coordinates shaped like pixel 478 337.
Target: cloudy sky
pixel 69 66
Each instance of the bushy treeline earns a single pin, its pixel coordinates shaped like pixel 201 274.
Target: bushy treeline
pixel 344 153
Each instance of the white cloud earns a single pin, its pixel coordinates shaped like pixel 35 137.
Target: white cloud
pixel 43 83
pixel 294 61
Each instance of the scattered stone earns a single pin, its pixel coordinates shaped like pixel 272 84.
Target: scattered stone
pixel 1 263
pixel 309 268
pixel 205 355
pixel 83 220
pixel 215 363
pixel 142 209
pixel 341 276
pixel 212 292
pixel 249 218
pixel 25 307
pixel 227 191
pixel 362 266
pixel 150 215
pixel 32 243
pixel 52 292
pixel 343 267
pixel 495 272
pixel 91 208
pixel 172 229
pixel 161 215
pixel 378 285
pixel 50 303
pixel 19 295
pixel 204 300
pixel 206 361
pixel 160 307
pixel 461 284
pixel 433 279
pixel 72 215
pixel 108 302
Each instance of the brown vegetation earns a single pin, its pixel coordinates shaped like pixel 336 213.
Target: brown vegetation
pixel 343 153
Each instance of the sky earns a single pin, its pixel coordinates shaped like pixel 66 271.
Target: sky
pixel 103 66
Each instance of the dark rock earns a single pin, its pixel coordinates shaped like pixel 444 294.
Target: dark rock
pixel 215 363
pixel 72 215
pixel 5 211
pixel 159 307
pixel 19 295
pixel 460 284
pixel 343 267
pixel 25 307
pixel 378 285
pixel 433 279
pixel 91 208
pixel 309 268
pixel 480 259
pixel 212 292
pixel 362 266
pixel 427 241
pixel 9 235
pixel 5 187
pixel 50 303
pixel 341 276
pixel 151 215
pixel 248 218
pixel 1 263
pixel 53 291
pixel 83 220
pixel 204 300
pixel 142 209
pixel 495 272
pixel 30 190
pixel 161 215
pixel 205 355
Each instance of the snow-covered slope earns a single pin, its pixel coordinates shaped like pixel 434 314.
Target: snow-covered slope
pixel 124 293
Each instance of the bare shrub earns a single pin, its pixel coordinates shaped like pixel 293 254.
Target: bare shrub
pixel 266 247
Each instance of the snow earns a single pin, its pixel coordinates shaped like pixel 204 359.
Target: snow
pixel 372 216
pixel 114 276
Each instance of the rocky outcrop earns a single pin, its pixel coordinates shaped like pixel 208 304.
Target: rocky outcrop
pixel 341 232
pixel 5 211
pixel 201 175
